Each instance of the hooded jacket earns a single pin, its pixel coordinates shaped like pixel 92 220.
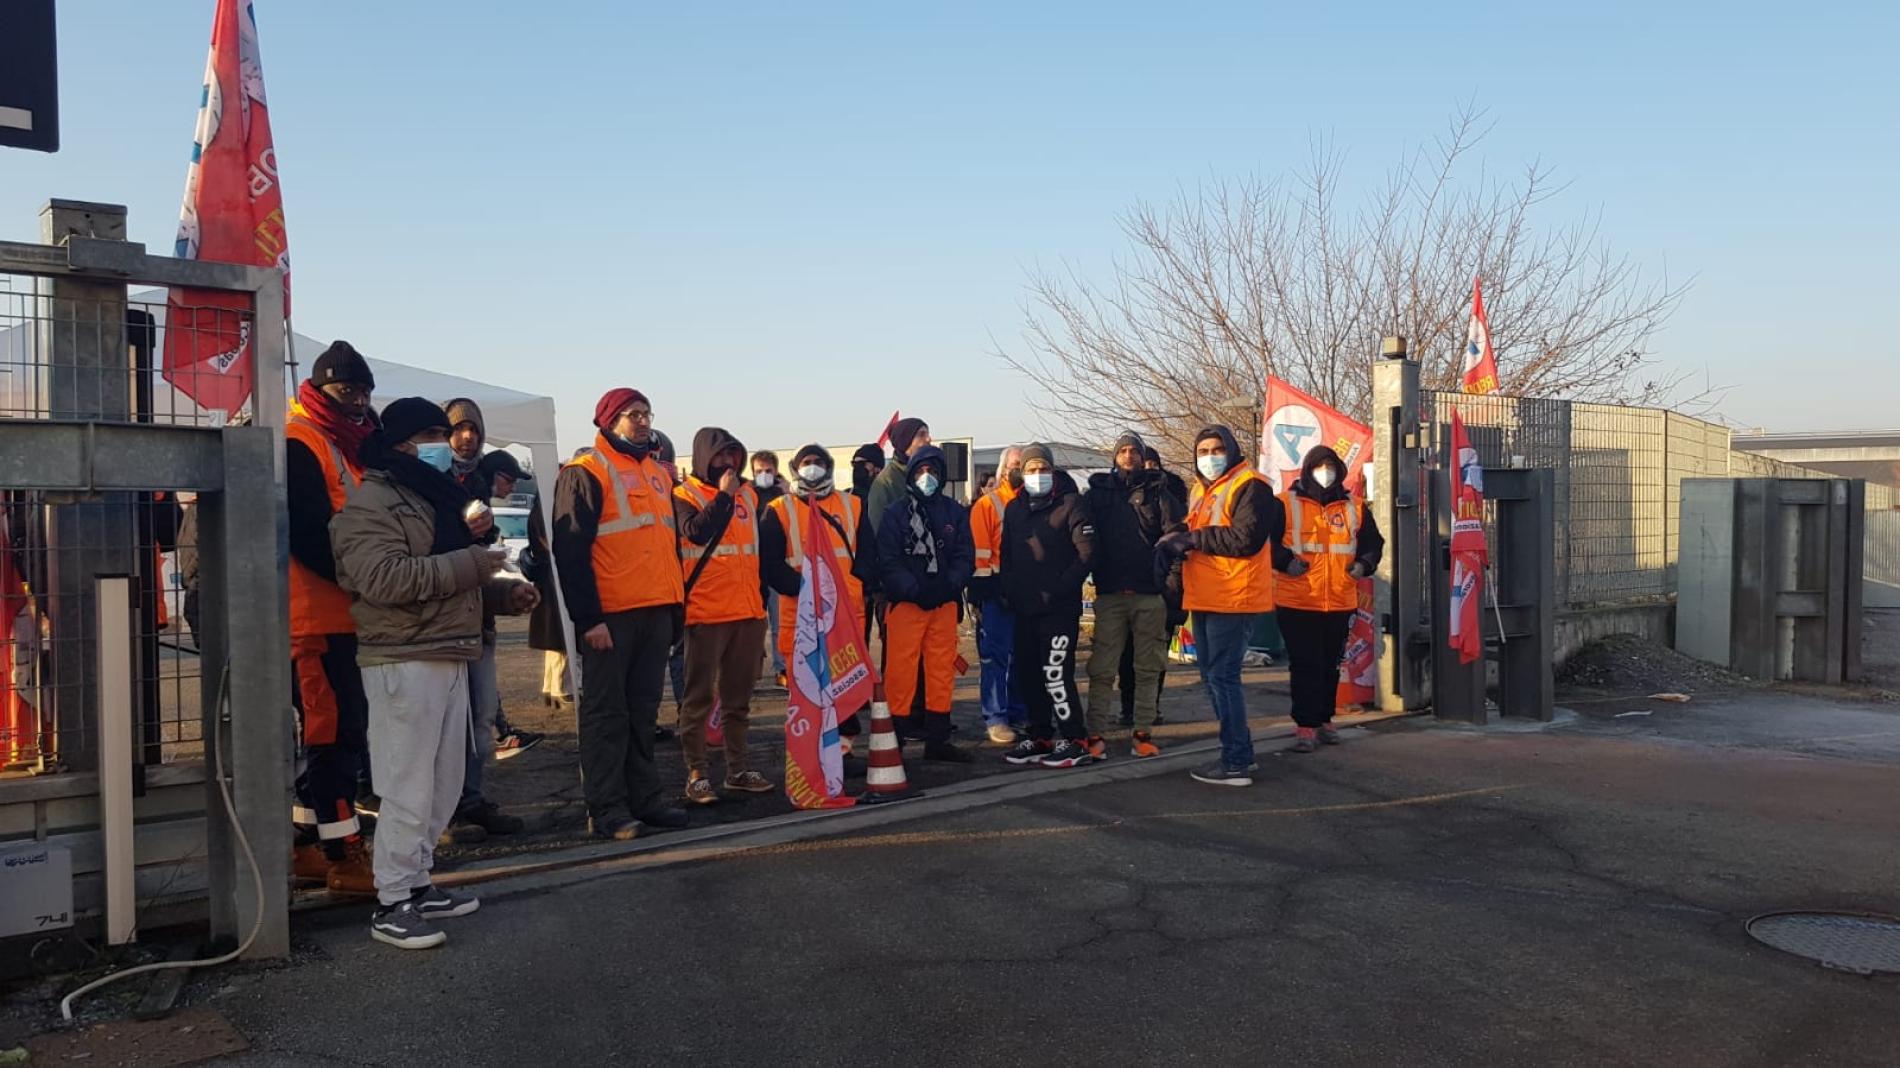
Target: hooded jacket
pixel 902 576
pixel 468 472
pixel 700 526
pixel 1048 547
pixel 1130 511
pixel 1259 520
pixel 1369 548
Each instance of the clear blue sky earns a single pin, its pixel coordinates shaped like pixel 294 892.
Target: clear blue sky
pixel 726 204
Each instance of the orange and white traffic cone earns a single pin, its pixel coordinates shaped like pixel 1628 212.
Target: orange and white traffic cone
pixel 884 778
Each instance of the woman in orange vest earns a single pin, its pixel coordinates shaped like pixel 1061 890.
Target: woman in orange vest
pixel 1331 542
pixel 1227 581
pixel 782 536
pixel 717 512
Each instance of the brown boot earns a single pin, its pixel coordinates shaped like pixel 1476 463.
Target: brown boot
pixel 353 874
pixel 308 865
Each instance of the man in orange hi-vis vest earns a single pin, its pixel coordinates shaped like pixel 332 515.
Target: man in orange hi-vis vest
pixel 323 434
pixel 617 558
pixel 1003 711
pixel 717 513
pixel 1227 580
pixel 782 536
pixel 1331 542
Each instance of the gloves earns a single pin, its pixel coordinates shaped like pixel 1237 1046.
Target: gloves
pixel 1358 569
pixel 1298 566
pixel 1176 544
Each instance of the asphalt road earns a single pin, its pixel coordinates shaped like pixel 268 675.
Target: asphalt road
pixel 1420 896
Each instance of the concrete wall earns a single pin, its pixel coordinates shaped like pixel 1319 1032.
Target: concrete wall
pixel 1577 628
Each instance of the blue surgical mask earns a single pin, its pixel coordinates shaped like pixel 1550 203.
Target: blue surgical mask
pixel 927 484
pixel 436 454
pixel 1038 483
pixel 1211 467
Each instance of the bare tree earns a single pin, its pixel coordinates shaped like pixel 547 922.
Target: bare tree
pixel 1232 283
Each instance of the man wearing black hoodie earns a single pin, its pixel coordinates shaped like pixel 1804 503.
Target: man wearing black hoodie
pixel 1227 581
pixel 1331 542
pixel 716 511
pixel 1047 549
pixel 1130 508
pixel 924 560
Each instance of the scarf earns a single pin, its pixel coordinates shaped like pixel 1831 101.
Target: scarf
pixel 917 539
pixel 331 420
pixel 817 489
pixel 460 469
pixel 445 497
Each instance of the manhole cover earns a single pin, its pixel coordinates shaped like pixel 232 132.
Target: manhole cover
pixel 1851 942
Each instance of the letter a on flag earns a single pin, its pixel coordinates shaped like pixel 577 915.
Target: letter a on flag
pixel 1468 551
pixel 1481 363
pixel 830 674
pixel 233 212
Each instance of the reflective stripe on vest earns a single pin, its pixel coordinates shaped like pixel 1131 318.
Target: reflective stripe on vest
pixel 986 557
pixel 1296 513
pixel 622 520
pixel 795 541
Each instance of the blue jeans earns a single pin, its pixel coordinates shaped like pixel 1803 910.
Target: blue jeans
pixel 771 632
pixel 1220 640
pixel 996 645
pixel 484 696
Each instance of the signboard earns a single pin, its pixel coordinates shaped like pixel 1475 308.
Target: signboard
pixel 36 889
pixel 29 76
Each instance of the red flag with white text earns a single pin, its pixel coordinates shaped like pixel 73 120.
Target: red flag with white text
pixel 1468 551
pixel 1294 422
pixel 830 674
pixel 233 212
pixel 1481 362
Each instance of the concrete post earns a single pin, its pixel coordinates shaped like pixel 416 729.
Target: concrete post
pixel 80 333
pixel 1398 586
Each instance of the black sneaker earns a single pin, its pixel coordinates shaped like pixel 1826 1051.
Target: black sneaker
pixel 665 818
pixel 1328 734
pixel 491 819
pixel 1221 775
pixel 947 753
pixel 664 734
pixel 434 903
pixel 402 926
pixel 614 828
pixel 1029 751
pixel 1128 719
pixel 462 832
pixel 1068 753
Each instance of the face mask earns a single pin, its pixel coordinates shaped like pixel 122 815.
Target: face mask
pixel 1015 479
pixel 1039 484
pixel 927 484
pixel 1323 477
pixel 436 454
pixel 813 474
pixel 861 479
pixel 716 472
pixel 1211 467
pixel 764 479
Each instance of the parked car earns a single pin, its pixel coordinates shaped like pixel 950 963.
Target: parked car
pixel 513 524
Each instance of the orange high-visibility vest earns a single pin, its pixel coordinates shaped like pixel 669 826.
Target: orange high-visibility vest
pixel 317 605
pixel 795 518
pixel 635 554
pixel 1238 584
pixel 728 588
pixel 986 527
pixel 1326 536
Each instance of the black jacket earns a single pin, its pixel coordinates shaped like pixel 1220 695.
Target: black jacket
pixel 1130 512
pixel 1368 547
pixel 901 577
pixel 1048 549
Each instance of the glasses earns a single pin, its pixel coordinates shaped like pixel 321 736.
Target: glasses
pixel 640 415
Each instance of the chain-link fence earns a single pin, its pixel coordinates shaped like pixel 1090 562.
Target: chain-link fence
pixel 1619 475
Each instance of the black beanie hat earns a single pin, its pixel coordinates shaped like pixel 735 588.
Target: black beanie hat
pixel 1128 438
pixel 1038 451
pixel 1149 454
pixel 406 418
pixel 341 363
pixel 903 432
pixel 870 452
pixel 816 452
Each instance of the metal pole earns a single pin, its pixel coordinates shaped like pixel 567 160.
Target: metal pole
pixel 1398 584
pixel 113 595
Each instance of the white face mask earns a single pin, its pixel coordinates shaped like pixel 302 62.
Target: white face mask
pixel 813 474
pixel 927 484
pixel 1323 477
pixel 1212 466
pixel 764 479
pixel 1038 483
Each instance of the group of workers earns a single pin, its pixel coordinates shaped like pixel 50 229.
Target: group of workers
pixel 396 578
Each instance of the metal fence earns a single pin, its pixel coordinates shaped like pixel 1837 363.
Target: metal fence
pixel 1619 473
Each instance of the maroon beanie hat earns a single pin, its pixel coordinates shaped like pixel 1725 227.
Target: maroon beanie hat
pixel 613 402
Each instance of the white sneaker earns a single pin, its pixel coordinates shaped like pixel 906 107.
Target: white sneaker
pixel 1002 734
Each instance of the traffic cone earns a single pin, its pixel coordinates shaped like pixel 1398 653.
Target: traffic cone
pixel 884 778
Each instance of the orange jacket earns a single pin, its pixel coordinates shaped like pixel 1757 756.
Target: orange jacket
pixel 986 528
pixel 794 518
pixel 317 605
pixel 729 587
pixel 1326 536
pixel 1213 583
pixel 635 553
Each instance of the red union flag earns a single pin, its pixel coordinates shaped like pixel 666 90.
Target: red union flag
pixel 885 438
pixel 233 212
pixel 830 675
pixel 1294 422
pixel 1468 552
pixel 1481 363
